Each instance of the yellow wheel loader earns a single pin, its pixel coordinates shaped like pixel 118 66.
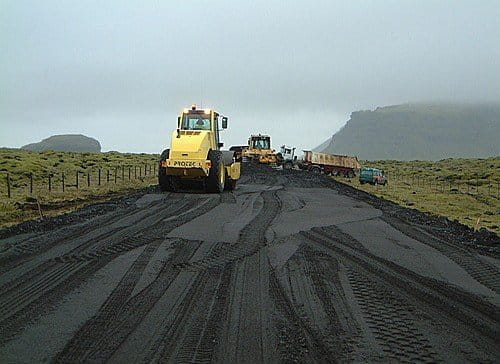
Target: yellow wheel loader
pixel 259 150
pixel 195 154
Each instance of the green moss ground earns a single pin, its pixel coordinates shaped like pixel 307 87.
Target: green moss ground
pixel 467 190
pixel 20 164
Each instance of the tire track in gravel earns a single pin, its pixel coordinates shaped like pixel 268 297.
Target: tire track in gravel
pixel 11 325
pixel 342 331
pixel 464 310
pixel 483 272
pixel 248 329
pixel 391 322
pixel 126 319
pixel 107 229
pixel 19 253
pixel 111 308
pixel 193 335
pixel 128 316
pixel 129 237
pixel 317 323
pixel 45 267
pixel 297 341
pixel 192 330
pixel 37 298
pixel 40 280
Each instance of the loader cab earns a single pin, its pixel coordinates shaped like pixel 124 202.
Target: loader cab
pixel 260 142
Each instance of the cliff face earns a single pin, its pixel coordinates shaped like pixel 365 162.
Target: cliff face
pixel 426 132
pixel 65 143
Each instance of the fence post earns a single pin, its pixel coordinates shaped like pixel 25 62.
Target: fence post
pixel 129 170
pixel 88 179
pixel 76 179
pixel 99 177
pixel 31 183
pixel 140 171
pixel 107 175
pixel 145 169
pixel 8 185
pixel 135 172
pixel 154 168
pixel 63 186
pixel 50 182
pixel 116 171
pixel 123 173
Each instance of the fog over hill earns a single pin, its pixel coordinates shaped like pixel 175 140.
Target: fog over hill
pixel 419 131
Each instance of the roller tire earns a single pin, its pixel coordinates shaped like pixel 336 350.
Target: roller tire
pixel 166 183
pixel 214 184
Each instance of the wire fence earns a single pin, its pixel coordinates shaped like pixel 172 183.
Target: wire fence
pixel 16 184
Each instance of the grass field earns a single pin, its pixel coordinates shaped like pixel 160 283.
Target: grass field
pixel 467 190
pixel 132 172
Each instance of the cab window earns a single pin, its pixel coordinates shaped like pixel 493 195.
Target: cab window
pixel 196 122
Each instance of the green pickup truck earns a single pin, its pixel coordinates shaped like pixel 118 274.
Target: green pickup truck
pixel 372 176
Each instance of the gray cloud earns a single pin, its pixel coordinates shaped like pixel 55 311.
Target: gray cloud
pixel 121 70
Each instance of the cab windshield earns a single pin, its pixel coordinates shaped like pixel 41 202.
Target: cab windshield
pixel 261 143
pixel 196 122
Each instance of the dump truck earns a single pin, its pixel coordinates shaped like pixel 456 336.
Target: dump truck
pixel 195 154
pixel 259 150
pixel 330 164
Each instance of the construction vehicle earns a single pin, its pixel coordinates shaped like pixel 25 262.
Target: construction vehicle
pixel 259 150
pixel 238 149
pixel 287 157
pixel 330 164
pixel 195 154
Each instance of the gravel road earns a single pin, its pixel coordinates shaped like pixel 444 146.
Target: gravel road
pixel 290 267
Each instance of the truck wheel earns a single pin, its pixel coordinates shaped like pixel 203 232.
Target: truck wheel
pixel 316 170
pixel 217 175
pixel 288 165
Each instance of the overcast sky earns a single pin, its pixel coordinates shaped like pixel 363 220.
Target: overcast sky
pixel 120 71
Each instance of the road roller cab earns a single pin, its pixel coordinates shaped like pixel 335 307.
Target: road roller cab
pixel 195 153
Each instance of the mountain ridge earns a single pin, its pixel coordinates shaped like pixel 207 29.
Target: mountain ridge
pixel 419 131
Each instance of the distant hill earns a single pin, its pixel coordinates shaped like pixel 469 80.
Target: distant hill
pixel 419 131
pixel 66 143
